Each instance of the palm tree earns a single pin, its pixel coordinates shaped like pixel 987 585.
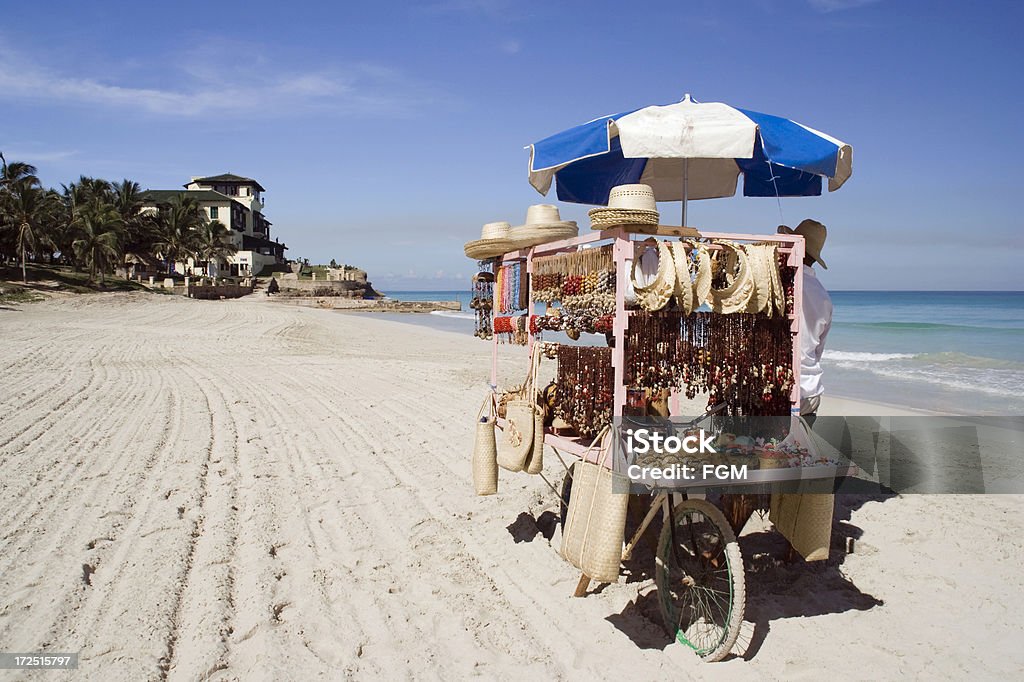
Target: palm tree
pixel 29 211
pixel 178 224
pixel 213 243
pixel 140 228
pixel 16 170
pixel 76 196
pixel 99 233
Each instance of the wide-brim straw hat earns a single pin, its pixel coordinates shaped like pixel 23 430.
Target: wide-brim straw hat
pixel 495 239
pixel 814 234
pixel 543 224
pixel 627 205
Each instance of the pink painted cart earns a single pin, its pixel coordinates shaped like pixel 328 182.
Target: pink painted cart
pixel 699 568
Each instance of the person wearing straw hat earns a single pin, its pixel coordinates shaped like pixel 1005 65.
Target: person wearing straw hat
pixel 815 316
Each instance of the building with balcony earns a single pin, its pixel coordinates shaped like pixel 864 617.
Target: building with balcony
pixel 237 202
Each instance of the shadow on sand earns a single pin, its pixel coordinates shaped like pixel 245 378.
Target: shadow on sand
pixel 776 588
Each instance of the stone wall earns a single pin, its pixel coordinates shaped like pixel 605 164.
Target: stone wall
pixel 344 288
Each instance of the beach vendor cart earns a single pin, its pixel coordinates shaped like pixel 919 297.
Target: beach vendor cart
pixel 644 321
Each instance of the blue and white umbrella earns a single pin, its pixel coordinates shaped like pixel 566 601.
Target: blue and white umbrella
pixel 689 150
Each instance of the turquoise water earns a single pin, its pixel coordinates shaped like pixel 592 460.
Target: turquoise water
pixel 960 352
pixel 953 351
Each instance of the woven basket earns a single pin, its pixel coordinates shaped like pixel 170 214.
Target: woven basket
pixel 602 218
pixel 535 462
pixel 595 523
pixel 805 519
pixel 485 451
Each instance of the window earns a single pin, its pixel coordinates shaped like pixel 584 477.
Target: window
pixel 213 213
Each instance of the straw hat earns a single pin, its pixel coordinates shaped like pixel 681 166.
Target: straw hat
pixel 627 205
pixel 543 224
pixel 814 234
pixel 494 241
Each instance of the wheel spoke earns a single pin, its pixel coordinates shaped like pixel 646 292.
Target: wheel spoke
pixel 697 580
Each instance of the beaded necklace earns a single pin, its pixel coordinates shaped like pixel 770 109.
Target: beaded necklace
pixel 585 387
pixel 742 359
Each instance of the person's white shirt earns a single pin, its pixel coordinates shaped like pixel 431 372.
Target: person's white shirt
pixel 815 322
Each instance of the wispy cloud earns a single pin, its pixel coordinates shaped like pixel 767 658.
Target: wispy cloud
pixel 358 89
pixel 838 5
pixel 510 46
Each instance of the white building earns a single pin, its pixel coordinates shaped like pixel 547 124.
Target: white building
pixel 238 203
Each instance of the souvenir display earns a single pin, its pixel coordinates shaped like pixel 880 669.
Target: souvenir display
pixel 744 360
pixel 683 312
pixel 585 388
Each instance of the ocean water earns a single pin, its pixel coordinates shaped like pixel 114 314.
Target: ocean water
pixel 958 352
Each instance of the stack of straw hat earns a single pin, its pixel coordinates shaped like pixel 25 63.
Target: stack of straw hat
pixel 543 224
pixel 627 205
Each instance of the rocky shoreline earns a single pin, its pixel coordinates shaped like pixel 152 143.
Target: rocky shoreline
pixel 382 305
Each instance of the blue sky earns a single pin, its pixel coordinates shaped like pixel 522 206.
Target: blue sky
pixel 387 133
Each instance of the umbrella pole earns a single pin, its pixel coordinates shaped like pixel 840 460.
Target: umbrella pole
pixel 686 182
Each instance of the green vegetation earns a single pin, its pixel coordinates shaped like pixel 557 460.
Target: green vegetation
pixel 94 226
pixel 18 295
pixel 44 278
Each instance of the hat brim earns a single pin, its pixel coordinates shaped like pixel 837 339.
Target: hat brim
pixel 521 237
pixel 603 218
pixel 482 249
pixel 524 236
pixel 785 229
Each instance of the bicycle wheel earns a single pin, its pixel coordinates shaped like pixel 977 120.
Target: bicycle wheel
pixel 699 574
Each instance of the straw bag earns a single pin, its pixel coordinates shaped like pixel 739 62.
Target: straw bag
pixel 535 462
pixel 485 462
pixel 804 518
pixel 515 444
pixel 595 521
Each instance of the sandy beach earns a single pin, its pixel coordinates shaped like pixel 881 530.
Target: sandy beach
pixel 245 490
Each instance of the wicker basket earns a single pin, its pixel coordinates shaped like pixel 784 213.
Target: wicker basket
pixel 603 218
pixel 595 523
pixel 485 451
pixel 535 462
pixel 805 519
